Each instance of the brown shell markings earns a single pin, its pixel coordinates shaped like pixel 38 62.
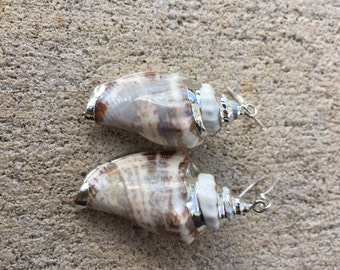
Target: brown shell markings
pixel 152 104
pixel 147 189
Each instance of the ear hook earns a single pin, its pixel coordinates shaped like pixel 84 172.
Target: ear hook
pixel 262 204
pixel 248 109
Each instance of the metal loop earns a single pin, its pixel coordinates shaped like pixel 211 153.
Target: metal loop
pixel 250 110
pixel 259 206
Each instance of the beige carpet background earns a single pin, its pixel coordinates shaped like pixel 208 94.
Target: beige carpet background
pixel 282 55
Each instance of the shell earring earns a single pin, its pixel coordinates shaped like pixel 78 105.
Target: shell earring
pixel 165 108
pixel 164 193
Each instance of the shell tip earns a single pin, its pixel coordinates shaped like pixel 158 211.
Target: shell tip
pixel 82 196
pixel 89 113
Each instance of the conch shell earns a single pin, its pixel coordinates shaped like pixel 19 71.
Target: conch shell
pixel 166 108
pixel 162 192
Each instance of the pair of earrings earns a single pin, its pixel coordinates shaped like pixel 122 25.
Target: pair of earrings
pixel 163 191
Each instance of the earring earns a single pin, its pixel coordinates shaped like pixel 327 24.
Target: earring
pixel 165 108
pixel 164 193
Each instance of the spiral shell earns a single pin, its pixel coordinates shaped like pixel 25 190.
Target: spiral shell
pixel 157 106
pixel 162 192
pixel 146 188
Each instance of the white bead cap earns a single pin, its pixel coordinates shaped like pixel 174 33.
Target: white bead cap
pixel 210 109
pixel 207 198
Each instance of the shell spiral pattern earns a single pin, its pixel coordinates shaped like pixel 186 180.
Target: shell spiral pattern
pixel 147 189
pixel 155 105
pixel 166 108
pixel 164 193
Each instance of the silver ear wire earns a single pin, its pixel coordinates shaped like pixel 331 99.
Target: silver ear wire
pixel 262 204
pixel 248 109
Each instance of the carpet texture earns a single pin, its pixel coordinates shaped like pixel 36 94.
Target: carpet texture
pixel 282 56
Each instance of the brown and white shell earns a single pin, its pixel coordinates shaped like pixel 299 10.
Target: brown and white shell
pixel 155 105
pixel 164 193
pixel 146 188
